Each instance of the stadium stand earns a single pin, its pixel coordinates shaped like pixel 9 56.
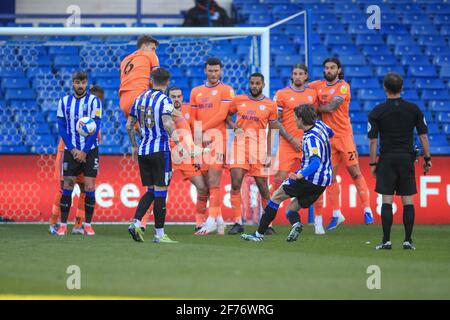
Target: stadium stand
pixel 412 43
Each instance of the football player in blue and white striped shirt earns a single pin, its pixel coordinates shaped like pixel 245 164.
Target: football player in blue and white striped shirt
pixel 81 153
pixel 153 111
pixel 308 183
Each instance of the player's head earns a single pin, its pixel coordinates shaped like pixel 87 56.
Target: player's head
pixel 176 95
pixel 393 83
pixel 305 116
pixel 256 84
pixel 97 91
pixel 299 74
pixel 160 79
pixel 213 70
pixel 147 43
pixel 332 69
pixel 79 82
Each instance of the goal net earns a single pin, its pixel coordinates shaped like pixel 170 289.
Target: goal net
pixel 36 71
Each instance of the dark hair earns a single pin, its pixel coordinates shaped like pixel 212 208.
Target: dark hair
pixel 79 75
pixel 96 88
pixel 160 76
pixel 307 113
pixel 144 39
pixel 173 89
pixel 257 74
pixel 299 66
pixel 393 82
pixel 213 62
pixel 338 63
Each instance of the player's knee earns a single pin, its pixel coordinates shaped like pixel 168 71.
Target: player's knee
pixel 356 176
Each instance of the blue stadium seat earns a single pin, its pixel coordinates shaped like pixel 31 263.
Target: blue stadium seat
pixel 433 128
pixel 335 39
pixel 361 139
pixel 358 117
pixel 105 74
pixel 437 50
pixel 442 60
pixel 27 105
pixel 344 50
pixel 400 39
pixel 436 94
pixel 371 94
pixel 66 61
pixel 110 149
pixel 431 40
pixel 113 25
pixel 39 128
pixel 407 8
pixel 438 8
pixel 360 128
pixel 415 19
pixel 369 39
pixel 370 50
pixel 353 60
pixel 430 83
pixel 279 49
pixel 40 140
pixel 286 60
pixel 62 50
pixel 423 29
pixel 20 94
pixel 13 149
pixel 441 19
pixel 43 149
pixel 358 28
pixel 415 60
pixel 445 30
pixel 109 83
pixel 321 16
pixel 15 83
pixel 365 83
pixel 441 150
pixel 443 116
pixel 383 60
pixel 438 140
pixel 260 19
pixel 11 73
pixel 446 129
pixel 382 70
pixel 445 72
pixel 358 72
pixel 425 71
pixel 328 28
pixel 407 49
pixel 410 95
pixel 369 105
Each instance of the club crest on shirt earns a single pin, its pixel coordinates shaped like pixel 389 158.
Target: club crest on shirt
pixel 243 105
pixel 187 116
pixel 262 107
pixel 332 91
pixel 214 92
pixel 292 99
pixel 344 89
pixel 310 98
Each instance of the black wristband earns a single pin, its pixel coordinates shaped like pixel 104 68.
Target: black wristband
pixel 373 164
pixel 427 159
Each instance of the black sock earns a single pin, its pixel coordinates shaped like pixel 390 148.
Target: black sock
pixel 159 209
pixel 293 217
pixel 89 205
pixel 65 204
pixel 269 214
pixel 408 221
pixel 386 220
pixel 145 203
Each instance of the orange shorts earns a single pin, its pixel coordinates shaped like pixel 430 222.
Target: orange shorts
pixel 250 160
pixel 216 159
pixel 127 100
pixel 343 150
pixel 188 170
pixel 288 159
pixel 59 168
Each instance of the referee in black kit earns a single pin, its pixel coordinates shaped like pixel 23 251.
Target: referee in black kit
pixel 395 120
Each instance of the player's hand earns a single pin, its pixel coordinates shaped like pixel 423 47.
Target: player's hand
pixel 134 153
pixel 206 139
pixel 267 161
pixel 426 166
pixel 238 131
pixel 76 154
pixel 296 144
pixel 82 157
pixel 373 171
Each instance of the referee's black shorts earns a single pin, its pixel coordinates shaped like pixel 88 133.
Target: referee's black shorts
pixel 306 192
pixel 396 175
pixel 156 169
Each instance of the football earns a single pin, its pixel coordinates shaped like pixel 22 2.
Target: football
pixel 86 126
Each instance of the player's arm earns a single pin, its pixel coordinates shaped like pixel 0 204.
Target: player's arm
pixel 131 122
pixel 62 128
pixel 294 143
pixel 422 130
pixel 218 118
pixel 313 152
pixel 97 114
pixel 332 106
pixel 372 134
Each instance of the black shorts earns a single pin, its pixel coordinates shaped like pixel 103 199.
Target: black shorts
pixel 156 169
pixel 396 175
pixel 72 168
pixel 306 192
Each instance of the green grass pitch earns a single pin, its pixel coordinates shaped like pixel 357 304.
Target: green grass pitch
pixel 33 264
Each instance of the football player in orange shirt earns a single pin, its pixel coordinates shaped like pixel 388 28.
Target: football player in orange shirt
pixel 209 103
pixel 334 100
pixel 56 209
pixel 290 154
pixel 252 151
pixel 135 71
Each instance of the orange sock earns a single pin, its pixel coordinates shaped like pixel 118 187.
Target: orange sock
pixel 80 211
pixel 56 209
pixel 333 196
pixel 214 202
pixel 200 210
pixel 275 185
pixel 318 206
pixel 236 205
pixel 363 191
